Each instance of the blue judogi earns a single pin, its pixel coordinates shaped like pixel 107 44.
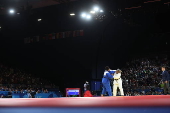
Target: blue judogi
pixel 106 83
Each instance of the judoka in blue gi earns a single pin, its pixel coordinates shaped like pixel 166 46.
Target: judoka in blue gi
pixel 112 72
pixel 106 81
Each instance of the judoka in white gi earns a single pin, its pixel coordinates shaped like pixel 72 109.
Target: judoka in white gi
pixel 117 83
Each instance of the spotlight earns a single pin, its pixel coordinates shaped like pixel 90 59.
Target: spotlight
pixel 101 10
pixel 83 15
pixel 72 14
pixel 88 16
pixel 96 8
pixel 11 11
pixel 0 27
pixel 39 19
pixel 92 12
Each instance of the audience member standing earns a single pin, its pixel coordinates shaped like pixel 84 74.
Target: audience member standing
pixel 165 79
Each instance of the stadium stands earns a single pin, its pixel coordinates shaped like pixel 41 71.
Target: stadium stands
pixel 17 84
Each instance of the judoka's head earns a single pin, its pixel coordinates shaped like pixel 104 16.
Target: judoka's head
pixel 118 71
pixel 107 68
pixel 163 68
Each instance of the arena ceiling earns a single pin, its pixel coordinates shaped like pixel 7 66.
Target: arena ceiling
pixel 111 4
pixel 24 4
pixel 33 2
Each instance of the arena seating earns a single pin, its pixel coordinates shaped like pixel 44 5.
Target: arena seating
pixel 15 83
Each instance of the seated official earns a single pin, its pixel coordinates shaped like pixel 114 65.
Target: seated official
pixel 87 93
pixel 86 83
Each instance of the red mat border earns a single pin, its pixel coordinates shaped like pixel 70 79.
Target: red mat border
pixel 127 101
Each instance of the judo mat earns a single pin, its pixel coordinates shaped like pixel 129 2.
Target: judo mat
pixel 122 104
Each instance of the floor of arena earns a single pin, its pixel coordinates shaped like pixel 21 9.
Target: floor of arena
pixel 125 104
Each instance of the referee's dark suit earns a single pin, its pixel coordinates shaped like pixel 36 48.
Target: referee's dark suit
pixel 165 79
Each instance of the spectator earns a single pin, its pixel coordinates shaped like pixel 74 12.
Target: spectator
pixel 38 92
pixel 33 93
pixel 29 94
pixel 46 91
pixel 2 96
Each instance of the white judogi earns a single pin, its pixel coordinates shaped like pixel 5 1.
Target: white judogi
pixel 117 83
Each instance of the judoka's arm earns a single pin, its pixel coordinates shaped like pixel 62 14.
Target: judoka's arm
pixel 110 76
pixel 112 71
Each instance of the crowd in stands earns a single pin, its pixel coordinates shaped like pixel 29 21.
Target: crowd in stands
pixel 15 81
pixel 140 77
pixel 143 76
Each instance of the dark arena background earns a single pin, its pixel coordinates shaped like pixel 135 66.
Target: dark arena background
pixel 47 46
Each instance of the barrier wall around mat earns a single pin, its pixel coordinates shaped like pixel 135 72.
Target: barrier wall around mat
pixel 27 95
pixel 127 101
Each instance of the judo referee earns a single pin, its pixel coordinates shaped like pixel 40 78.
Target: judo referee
pixel 117 83
pixel 106 82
